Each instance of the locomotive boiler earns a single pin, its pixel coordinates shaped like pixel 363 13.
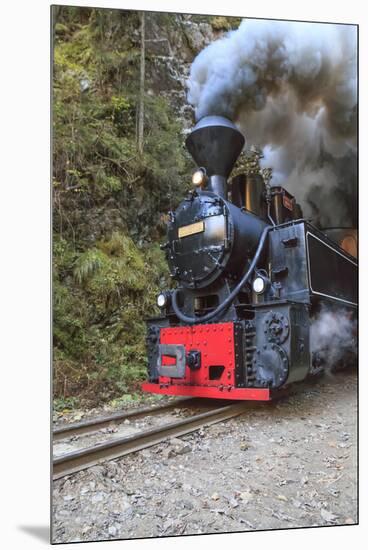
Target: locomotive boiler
pixel 251 273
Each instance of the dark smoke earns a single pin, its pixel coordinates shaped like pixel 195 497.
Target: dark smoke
pixel 292 88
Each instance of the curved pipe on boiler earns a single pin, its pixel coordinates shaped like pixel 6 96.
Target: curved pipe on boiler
pixel 226 303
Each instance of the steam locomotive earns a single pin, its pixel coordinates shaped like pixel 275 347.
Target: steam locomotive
pixel 251 275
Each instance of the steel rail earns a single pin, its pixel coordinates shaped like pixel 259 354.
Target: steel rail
pixel 85 458
pixel 94 424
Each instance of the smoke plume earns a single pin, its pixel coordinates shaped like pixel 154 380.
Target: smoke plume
pixel 292 89
pixel 333 336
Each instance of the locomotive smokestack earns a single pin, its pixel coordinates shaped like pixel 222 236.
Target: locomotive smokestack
pixel 215 143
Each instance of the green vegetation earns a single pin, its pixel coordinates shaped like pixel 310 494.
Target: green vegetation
pixel 222 23
pixel 109 203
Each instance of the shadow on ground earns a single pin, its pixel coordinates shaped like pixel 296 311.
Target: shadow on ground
pixel 41 532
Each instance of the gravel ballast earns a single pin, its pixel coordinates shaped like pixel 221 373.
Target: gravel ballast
pixel 291 463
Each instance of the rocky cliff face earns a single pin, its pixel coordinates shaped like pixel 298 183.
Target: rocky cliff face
pixel 171 49
pixel 109 201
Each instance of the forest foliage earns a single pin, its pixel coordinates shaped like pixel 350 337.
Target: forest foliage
pixel 109 203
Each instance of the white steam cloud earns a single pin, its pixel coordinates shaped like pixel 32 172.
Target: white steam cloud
pixel 333 336
pixel 292 88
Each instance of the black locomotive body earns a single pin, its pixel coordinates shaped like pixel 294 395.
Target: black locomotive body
pixel 251 274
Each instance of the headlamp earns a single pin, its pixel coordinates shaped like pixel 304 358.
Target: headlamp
pixel 259 285
pixel 199 177
pixel 163 299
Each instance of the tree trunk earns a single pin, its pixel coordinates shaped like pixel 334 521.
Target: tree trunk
pixel 141 87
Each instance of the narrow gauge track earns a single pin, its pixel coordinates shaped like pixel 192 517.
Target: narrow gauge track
pixel 94 424
pixel 81 459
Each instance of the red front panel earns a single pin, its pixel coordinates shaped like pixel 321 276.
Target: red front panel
pixel 215 343
pixel 217 348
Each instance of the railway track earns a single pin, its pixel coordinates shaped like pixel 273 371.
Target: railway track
pixel 94 424
pixel 86 457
